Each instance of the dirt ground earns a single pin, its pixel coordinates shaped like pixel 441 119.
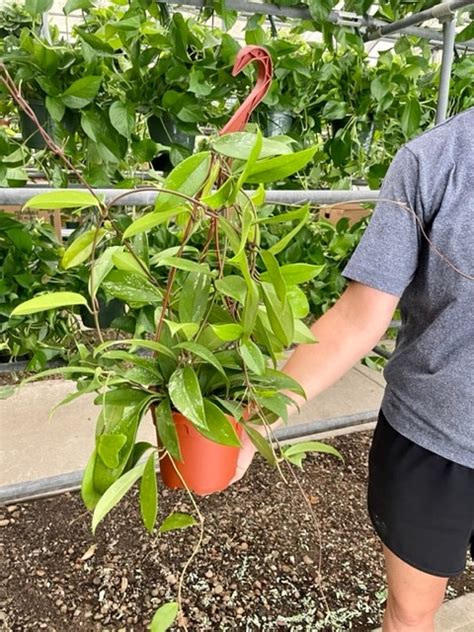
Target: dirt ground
pixel 257 568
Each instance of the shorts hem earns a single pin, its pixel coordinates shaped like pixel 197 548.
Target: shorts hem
pixel 407 560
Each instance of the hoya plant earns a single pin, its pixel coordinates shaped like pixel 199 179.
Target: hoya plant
pixel 222 313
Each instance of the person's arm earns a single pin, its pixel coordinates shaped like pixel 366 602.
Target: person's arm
pixel 345 334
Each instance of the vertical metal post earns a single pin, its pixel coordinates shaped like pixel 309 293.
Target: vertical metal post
pixel 449 35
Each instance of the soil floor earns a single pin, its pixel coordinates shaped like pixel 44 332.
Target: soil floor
pixel 257 569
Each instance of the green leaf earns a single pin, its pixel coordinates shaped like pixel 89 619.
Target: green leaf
pixel 122 117
pixel 136 342
pixel 7 391
pixel 250 311
pixel 467 33
pixel 252 159
pixel 253 357
pixel 164 617
pixel 281 381
pixel 101 268
pixel 230 232
pixel 296 273
pixel 66 198
pixel 149 494
pixel 55 107
pixel 108 448
pixel 149 221
pixel 194 298
pixel 379 87
pixel 276 403
pixel 221 196
pixel 202 352
pixel 303 334
pixel 320 9
pixel 247 221
pixel 51 300
pixel 296 452
pixel 75 5
pixel 241 144
pixel 123 396
pixel 81 92
pixel 172 252
pixel 131 288
pixel 220 429
pixel 261 444
pixel 279 168
pixel 81 248
pixel 167 429
pixel 233 286
pixel 126 261
pixel 279 314
pixel 187 178
pixel 335 110
pixel 90 496
pixel 62 370
pixel 177 520
pixel 284 241
pixel 185 393
pixel 184 264
pixel 298 301
pixel 37 7
pixel 228 332
pixel 114 494
pixel 411 117
pixel 274 274
pixel 189 329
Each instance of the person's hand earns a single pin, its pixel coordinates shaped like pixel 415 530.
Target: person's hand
pixel 246 454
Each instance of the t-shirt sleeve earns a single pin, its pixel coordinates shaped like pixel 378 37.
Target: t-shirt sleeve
pixel 387 255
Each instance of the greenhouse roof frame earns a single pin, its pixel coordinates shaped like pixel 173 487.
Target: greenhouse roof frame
pixel 445 12
pixel 340 18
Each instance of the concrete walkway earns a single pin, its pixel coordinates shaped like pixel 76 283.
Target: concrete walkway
pixel 33 447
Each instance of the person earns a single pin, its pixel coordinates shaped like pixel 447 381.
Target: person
pixel 418 253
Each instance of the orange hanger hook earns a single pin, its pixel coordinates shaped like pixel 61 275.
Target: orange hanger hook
pixel 246 56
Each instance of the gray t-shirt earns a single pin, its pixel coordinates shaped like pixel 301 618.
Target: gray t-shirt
pixel 430 391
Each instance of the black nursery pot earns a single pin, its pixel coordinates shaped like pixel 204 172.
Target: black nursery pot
pixel 108 312
pixel 164 130
pixel 29 131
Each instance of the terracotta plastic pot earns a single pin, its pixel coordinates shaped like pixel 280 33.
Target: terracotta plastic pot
pixel 207 466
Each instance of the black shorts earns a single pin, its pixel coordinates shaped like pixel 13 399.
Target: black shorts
pixel 421 504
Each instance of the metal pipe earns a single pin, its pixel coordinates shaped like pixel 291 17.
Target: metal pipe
pixel 21 365
pixel 439 11
pixel 298 431
pixel 382 352
pixel 449 31
pixel 135 197
pixel 299 13
pixel 51 485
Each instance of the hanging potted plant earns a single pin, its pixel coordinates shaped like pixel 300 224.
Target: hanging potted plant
pixel 222 318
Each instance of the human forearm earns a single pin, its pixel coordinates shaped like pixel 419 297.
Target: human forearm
pixel 345 334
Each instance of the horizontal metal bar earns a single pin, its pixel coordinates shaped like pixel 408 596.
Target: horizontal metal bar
pixel 51 485
pixel 439 11
pixel 41 488
pixel 336 17
pixel 324 425
pixel 384 353
pixel 247 7
pixel 21 365
pixel 135 197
